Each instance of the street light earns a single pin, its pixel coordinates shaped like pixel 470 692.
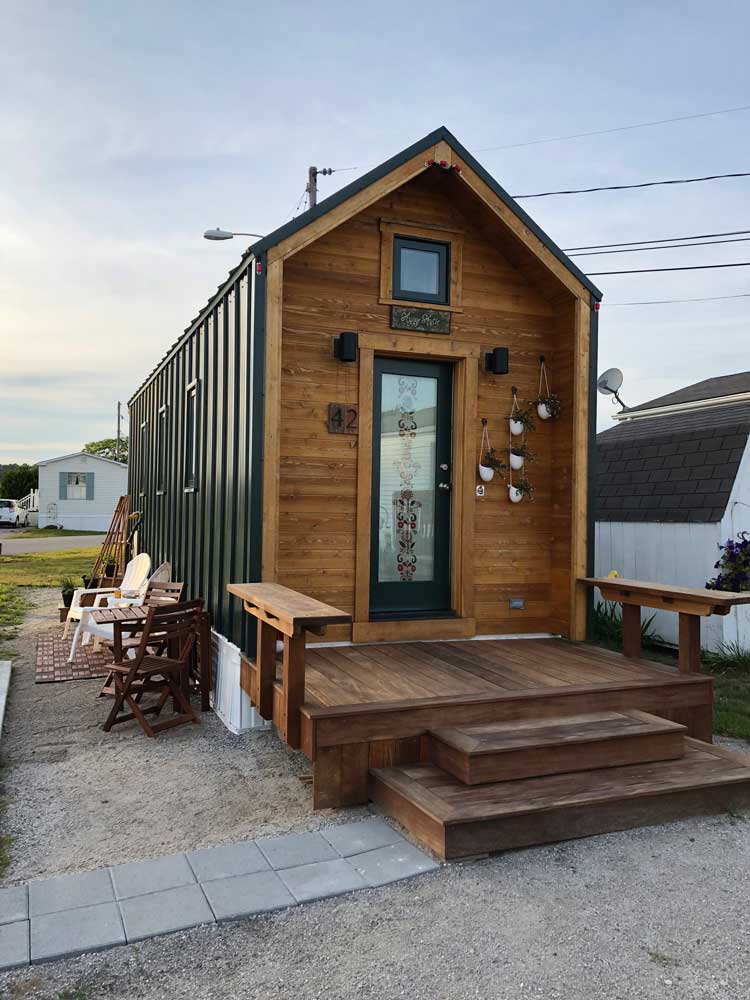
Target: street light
pixel 225 234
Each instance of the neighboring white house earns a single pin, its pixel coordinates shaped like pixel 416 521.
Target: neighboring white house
pixel 80 491
pixel 673 483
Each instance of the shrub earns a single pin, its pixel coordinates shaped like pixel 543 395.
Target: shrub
pixel 607 625
pixel 733 565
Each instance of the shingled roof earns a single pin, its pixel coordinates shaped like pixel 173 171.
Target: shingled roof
pixel 709 388
pixel 676 467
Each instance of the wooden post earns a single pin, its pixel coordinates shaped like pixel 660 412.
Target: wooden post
pixel 265 664
pixel 631 631
pixel 292 688
pixel 690 644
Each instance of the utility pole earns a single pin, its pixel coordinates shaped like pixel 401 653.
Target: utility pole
pixel 117 446
pixel 312 184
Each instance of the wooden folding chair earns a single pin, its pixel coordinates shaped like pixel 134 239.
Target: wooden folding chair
pixel 173 628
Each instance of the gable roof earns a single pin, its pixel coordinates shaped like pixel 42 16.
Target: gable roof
pixel 678 467
pixel 422 145
pixel 86 454
pixel 709 388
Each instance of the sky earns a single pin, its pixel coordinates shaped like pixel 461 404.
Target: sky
pixel 128 129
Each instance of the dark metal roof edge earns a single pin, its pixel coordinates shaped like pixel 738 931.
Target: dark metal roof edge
pixel 441 133
pixel 234 274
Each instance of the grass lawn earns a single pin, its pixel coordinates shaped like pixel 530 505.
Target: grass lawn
pixel 52 533
pixel 13 606
pixel 46 569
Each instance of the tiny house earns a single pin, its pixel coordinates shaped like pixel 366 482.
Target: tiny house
pixel 319 422
pixel 79 492
pixel 323 457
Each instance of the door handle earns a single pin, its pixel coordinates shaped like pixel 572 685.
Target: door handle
pixel 444 486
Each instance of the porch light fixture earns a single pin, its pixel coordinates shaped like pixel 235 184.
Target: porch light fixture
pixel 225 234
pixel 345 346
pixel 496 361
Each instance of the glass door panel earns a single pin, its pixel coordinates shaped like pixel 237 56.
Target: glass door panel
pixel 410 564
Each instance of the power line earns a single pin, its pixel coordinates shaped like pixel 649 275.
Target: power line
pixel 601 131
pixel 618 128
pixel 663 302
pixel 653 270
pixel 672 246
pixel 664 239
pixel 626 187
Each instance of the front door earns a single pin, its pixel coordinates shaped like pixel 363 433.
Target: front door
pixel 411 483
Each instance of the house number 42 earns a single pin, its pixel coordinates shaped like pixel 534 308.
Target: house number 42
pixel 343 418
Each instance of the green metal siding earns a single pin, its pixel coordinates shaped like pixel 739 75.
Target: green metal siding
pixel 207 533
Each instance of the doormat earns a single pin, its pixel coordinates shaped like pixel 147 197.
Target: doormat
pixel 52 665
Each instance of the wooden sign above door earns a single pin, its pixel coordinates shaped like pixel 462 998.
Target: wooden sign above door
pixel 419 319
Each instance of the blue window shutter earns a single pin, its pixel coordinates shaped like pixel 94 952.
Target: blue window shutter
pixel 63 486
pixel 89 485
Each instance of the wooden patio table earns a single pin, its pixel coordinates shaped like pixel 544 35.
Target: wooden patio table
pixel 288 614
pixel 691 604
pixel 134 613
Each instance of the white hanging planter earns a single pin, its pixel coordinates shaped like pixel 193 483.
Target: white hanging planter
pixel 516 496
pixel 516 427
pixel 516 462
pixel 543 410
pixel 486 472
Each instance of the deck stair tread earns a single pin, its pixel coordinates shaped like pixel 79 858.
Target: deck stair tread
pixel 496 737
pixel 531 748
pixel 449 801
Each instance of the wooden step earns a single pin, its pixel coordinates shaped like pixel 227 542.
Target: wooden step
pixel 456 820
pixel 504 751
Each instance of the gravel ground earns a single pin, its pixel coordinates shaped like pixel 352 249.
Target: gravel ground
pixel 77 797
pixel 640 915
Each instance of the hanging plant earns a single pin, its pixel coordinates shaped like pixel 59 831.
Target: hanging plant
pixel 519 453
pixel 521 418
pixel 548 404
pixel 520 489
pixel 489 461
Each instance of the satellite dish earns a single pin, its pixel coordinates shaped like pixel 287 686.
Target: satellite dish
pixel 609 384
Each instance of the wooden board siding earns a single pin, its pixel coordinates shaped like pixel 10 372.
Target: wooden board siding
pixel 332 285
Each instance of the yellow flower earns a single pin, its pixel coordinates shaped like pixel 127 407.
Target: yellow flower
pixel 613 574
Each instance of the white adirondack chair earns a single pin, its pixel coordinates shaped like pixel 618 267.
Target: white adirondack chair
pixel 134 584
pixel 106 632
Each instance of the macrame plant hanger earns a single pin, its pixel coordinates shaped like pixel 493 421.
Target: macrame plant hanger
pixel 543 375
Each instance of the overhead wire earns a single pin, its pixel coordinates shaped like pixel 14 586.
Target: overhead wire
pixel 663 239
pixel 664 302
pixel 668 246
pixel 654 270
pixel 629 187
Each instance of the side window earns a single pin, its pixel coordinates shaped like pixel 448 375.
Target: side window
pixel 191 437
pixel 162 428
pixel 143 457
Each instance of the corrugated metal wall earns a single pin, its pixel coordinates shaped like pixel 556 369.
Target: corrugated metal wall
pixel 205 532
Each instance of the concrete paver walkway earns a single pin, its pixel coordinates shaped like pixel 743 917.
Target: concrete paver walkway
pixel 58 917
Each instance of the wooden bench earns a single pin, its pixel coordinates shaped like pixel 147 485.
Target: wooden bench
pixel 690 604
pixel 286 614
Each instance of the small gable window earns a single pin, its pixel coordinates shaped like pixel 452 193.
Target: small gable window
pixel 421 270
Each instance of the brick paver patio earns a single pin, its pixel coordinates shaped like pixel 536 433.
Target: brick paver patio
pixel 52 665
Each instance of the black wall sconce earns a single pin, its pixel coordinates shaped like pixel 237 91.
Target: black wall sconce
pixel 496 361
pixel 345 346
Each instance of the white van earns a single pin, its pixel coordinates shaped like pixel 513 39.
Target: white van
pixel 12 514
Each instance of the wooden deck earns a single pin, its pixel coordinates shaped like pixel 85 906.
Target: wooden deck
pixel 481 745
pixel 408 671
